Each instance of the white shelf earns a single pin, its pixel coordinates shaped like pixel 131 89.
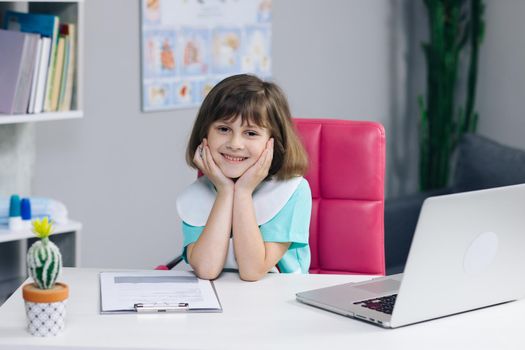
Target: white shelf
pixel 7 235
pixel 50 1
pixel 39 117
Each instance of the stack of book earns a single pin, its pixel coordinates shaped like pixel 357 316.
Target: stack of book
pixel 37 63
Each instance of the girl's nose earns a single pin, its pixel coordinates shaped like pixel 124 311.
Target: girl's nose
pixel 235 143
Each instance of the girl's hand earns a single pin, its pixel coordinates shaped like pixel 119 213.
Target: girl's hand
pixel 257 172
pixel 204 161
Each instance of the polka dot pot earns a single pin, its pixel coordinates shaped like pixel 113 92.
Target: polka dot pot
pixel 45 309
pixel 46 319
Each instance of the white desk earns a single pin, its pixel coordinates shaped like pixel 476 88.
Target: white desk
pixel 263 314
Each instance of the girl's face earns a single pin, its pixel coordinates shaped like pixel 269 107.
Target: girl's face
pixel 235 147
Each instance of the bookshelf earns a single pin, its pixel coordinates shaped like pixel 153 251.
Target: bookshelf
pixel 68 11
pixel 14 244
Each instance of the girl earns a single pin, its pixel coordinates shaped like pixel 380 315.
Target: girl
pixel 251 209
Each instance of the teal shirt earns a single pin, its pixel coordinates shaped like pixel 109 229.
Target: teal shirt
pixel 290 224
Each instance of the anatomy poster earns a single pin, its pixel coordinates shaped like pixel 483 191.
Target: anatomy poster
pixel 190 45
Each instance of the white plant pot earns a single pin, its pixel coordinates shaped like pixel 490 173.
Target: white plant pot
pixel 45 309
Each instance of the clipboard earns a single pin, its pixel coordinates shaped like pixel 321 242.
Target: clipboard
pixel 156 292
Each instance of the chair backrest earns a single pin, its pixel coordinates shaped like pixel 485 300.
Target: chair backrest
pixel 346 176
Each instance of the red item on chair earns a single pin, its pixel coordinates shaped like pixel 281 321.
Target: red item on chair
pixel 346 176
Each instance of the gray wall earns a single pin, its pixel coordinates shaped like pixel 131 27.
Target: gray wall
pixel 501 87
pixel 17 156
pixel 118 170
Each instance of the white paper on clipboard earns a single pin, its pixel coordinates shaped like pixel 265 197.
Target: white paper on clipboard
pixel 120 292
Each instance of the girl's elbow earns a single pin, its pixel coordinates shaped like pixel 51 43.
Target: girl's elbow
pixel 206 272
pixel 206 275
pixel 251 276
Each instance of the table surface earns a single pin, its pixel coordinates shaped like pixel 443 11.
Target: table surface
pixel 261 314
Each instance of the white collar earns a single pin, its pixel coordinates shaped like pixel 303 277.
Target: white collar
pixel 195 202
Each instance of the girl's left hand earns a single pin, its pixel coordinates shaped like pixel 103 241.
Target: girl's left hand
pixel 257 172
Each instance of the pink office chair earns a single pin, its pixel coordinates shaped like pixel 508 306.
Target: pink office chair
pixel 346 176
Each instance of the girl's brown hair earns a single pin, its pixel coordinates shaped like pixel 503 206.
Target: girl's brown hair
pixel 261 103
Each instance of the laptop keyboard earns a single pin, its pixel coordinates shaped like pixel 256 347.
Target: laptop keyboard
pixel 382 304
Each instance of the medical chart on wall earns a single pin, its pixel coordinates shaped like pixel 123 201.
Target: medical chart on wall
pixel 190 45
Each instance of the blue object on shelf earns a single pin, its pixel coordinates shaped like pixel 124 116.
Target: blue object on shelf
pixel 25 209
pixel 14 206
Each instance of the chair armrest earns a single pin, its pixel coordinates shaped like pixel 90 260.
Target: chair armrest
pixel 401 215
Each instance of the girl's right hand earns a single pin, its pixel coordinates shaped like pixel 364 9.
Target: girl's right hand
pixel 204 161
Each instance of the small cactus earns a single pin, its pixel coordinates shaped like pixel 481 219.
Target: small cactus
pixel 44 261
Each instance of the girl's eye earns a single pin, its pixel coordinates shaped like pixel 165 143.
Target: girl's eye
pixel 222 129
pixel 251 133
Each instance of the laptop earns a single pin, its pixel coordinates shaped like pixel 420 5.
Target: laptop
pixel 466 254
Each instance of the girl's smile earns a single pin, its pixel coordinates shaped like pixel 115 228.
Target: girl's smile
pixel 233 159
pixel 235 146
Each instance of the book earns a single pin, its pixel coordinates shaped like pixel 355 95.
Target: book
pixel 65 67
pixel 57 74
pixel 42 75
pixel 34 79
pixel 45 25
pixel 16 70
pixel 68 73
pixel 29 64
pixel 22 100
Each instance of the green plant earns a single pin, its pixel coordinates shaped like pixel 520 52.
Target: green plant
pixel 44 261
pixel 452 24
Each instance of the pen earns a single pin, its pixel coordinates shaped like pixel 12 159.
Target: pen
pixel 153 308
